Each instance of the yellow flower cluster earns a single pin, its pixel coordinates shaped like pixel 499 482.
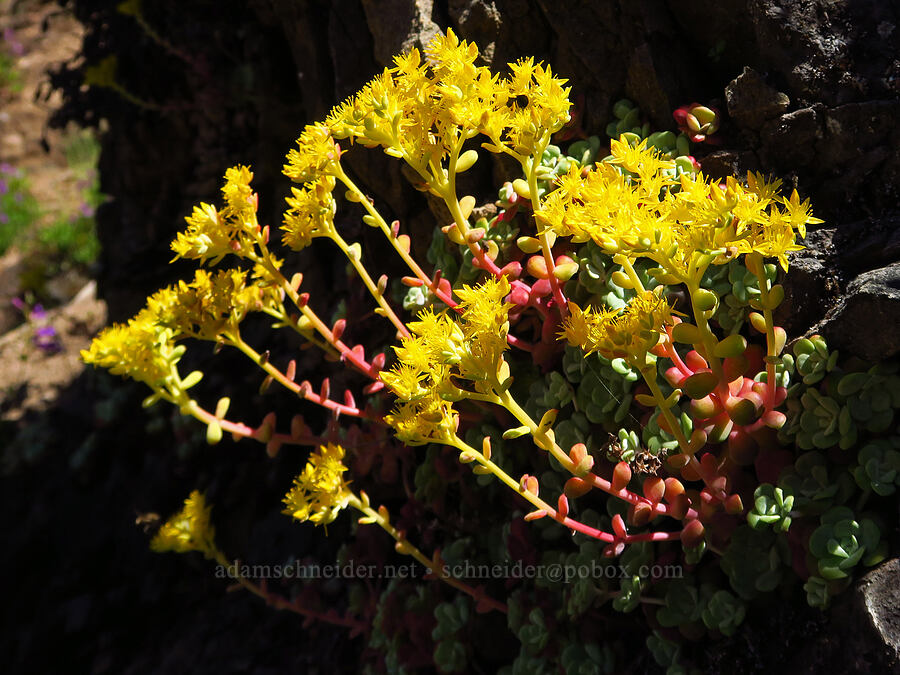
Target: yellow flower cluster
pixel 188 530
pixel 311 208
pixel 484 326
pixel 420 110
pixel 311 213
pixel 685 228
pixel 519 128
pixel 320 491
pixel 212 233
pixel 144 349
pixel 316 155
pixel 440 349
pixel 140 349
pixel 627 333
pixel 210 304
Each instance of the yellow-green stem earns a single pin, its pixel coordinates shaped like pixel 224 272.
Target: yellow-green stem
pixel 684 444
pixel 408 549
pixel 674 425
pixel 506 400
pixel 707 337
pixel 448 194
pixel 544 234
pixel 370 285
pixel 310 337
pixel 235 340
pixel 768 316
pixel 627 265
pixel 382 224
pixel 535 501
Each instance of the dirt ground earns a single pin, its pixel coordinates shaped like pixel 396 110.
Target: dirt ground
pixel 44 35
pixel 39 35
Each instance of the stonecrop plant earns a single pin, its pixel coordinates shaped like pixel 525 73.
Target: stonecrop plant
pixel 603 347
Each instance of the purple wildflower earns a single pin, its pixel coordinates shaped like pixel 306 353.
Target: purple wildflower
pixel 15 47
pixel 46 339
pixel 4 186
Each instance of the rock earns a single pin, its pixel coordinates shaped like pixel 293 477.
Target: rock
pixel 866 244
pixel 834 59
pixel 479 21
pixel 752 102
pixel 866 322
pixel 876 605
pixel 12 147
pixel 789 141
pixel 398 25
pixel 644 84
pixel 812 285
pixel 63 287
pixel 723 163
pixel 862 633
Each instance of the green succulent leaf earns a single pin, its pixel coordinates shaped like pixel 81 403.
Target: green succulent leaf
pixel 771 507
pixel 724 612
pixel 629 595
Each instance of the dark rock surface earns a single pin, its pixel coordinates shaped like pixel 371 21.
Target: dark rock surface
pixel 876 605
pixel 811 93
pixel 752 102
pixel 866 320
pixel 864 634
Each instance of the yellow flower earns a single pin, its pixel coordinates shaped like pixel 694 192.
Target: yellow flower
pixel 433 337
pixel 316 155
pixel 311 213
pixel 765 190
pixel 425 358
pixel 684 229
pixel 452 58
pixel 420 111
pixel 206 235
pixel 485 324
pixel 372 115
pixel 627 333
pixel 405 381
pixel 426 420
pixel 799 213
pixel 482 307
pixel 584 327
pixel 638 159
pixel 211 303
pixel 211 233
pixel 320 491
pixel 775 239
pixel 238 194
pixel 546 107
pixel 188 530
pixel 140 349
